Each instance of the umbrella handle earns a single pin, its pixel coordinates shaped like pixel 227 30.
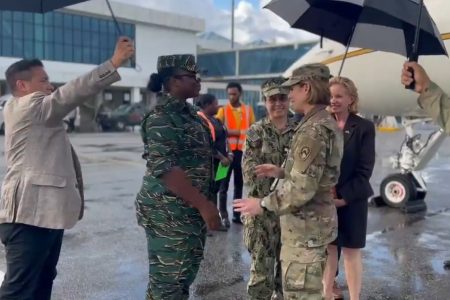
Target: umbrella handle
pixel 412 85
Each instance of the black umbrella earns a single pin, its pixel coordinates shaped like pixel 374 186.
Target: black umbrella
pixel 36 6
pixel 384 25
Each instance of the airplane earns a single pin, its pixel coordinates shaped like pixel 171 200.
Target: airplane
pixel 377 77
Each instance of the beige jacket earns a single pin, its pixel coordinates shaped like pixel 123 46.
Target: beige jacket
pixel 437 104
pixel 43 184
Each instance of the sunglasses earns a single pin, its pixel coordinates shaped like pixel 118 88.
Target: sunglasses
pixel 196 77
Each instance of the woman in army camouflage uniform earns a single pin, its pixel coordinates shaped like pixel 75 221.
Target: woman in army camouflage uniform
pixel 304 201
pixel 172 204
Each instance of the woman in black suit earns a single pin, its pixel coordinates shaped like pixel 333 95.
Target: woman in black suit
pixel 353 188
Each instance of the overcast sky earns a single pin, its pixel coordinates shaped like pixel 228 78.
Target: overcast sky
pixel 252 22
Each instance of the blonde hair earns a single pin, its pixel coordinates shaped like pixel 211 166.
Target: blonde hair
pixel 351 89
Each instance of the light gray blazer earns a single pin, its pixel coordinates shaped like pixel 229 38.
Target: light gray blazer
pixel 43 185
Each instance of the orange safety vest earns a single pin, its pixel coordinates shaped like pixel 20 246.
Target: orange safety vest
pixel 237 143
pixel 210 125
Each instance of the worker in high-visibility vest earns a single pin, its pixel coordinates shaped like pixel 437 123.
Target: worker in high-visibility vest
pixel 237 118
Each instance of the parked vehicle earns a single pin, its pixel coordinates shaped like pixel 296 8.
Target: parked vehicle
pixel 123 117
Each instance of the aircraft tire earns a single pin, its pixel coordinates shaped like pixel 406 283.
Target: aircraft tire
pixel 397 189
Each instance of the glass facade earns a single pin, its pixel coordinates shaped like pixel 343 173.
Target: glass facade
pixel 270 60
pixel 256 61
pixel 218 64
pixel 59 36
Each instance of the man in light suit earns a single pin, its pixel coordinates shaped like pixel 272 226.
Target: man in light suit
pixel 42 192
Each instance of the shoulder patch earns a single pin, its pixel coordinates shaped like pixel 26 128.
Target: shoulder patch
pixel 305 152
pixel 254 137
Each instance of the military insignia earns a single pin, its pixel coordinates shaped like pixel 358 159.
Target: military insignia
pixel 305 152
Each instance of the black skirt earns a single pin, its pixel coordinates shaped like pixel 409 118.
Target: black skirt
pixel 352 225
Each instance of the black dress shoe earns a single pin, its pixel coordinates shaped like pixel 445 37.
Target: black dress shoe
pixel 222 227
pixel 447 264
pixel 236 220
pixel 225 223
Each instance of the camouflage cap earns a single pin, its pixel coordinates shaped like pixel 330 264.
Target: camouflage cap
pixel 308 71
pixel 181 61
pixel 273 87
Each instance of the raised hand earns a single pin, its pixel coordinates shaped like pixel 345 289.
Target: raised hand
pixel 123 52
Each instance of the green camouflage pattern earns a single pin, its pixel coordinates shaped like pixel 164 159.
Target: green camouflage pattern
pixel 273 87
pixel 179 61
pixel 173 135
pixel 265 144
pixel 314 71
pixel 436 103
pixel 304 199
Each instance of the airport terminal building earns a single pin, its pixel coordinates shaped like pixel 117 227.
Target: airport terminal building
pixel 73 40
pixel 250 66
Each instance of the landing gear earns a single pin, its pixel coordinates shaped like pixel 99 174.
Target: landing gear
pixel 403 191
pixel 407 190
pixel 397 189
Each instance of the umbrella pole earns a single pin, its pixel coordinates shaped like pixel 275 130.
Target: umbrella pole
pixel 116 23
pixel 119 32
pixel 415 48
pixel 346 50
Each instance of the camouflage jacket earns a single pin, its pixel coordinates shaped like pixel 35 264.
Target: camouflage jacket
pixel 174 135
pixel 304 199
pixel 437 105
pixel 265 144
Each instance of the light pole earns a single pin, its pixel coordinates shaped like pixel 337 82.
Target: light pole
pixel 232 24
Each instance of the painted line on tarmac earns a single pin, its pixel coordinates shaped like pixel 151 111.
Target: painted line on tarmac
pixel 2 275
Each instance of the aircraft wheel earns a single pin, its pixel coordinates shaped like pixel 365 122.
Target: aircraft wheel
pixel 397 189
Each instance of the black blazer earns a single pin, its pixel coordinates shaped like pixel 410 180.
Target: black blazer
pixel 358 160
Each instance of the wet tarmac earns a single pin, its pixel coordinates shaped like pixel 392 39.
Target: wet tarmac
pixel 105 256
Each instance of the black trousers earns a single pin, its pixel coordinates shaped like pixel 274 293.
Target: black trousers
pixel 32 254
pixel 236 169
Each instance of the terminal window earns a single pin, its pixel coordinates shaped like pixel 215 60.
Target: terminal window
pixel 59 36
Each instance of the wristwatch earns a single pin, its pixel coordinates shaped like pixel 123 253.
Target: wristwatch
pixel 262 203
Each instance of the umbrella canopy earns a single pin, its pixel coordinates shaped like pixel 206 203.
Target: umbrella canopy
pixel 36 6
pixel 384 25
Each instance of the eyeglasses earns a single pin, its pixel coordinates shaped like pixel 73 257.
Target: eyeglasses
pixel 192 76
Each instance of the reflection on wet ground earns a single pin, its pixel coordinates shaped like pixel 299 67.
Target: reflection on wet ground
pixel 105 255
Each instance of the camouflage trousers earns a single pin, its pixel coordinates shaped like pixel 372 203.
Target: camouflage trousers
pixel 175 241
pixel 262 239
pixel 302 270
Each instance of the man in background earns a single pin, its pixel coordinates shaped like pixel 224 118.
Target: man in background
pixel 237 118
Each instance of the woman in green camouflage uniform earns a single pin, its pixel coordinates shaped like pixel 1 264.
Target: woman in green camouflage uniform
pixel 267 143
pixel 172 204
